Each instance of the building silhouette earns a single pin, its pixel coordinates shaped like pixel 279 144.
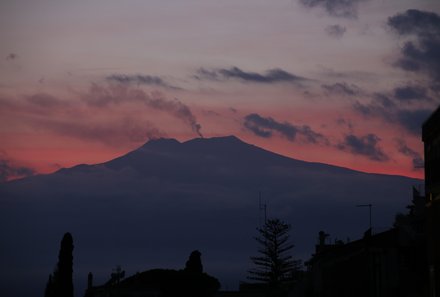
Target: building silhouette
pixel 390 263
pixel 431 139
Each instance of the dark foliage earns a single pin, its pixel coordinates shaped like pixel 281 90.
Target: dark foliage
pixel 171 283
pixel 190 281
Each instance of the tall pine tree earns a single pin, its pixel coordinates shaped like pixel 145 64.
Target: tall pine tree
pixel 274 265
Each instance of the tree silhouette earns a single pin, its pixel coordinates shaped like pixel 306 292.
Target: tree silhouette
pixel 194 263
pixel 49 291
pixel 274 265
pixel 60 284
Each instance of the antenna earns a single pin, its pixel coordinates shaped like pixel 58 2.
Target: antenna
pixel 262 208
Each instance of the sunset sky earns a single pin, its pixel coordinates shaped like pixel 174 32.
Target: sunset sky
pixel 342 82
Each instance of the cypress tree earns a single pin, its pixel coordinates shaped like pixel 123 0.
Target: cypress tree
pixel 65 267
pixel 61 283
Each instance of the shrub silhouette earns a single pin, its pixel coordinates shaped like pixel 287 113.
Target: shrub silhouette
pixel 190 281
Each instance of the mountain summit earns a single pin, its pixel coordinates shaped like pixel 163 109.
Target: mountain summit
pixel 150 207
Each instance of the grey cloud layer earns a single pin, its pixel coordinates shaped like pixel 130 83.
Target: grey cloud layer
pixel 267 126
pixel 336 8
pixel 270 76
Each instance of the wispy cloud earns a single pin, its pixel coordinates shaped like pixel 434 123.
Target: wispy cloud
pixel 336 31
pixel 336 8
pixel 139 79
pixel 9 170
pixel 270 76
pixel 100 96
pixel 121 132
pixel 342 89
pixel 11 56
pixel 266 127
pixel 46 101
pixel 117 115
pixel 417 159
pixel 366 145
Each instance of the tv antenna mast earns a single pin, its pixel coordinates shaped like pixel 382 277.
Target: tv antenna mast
pixel 262 209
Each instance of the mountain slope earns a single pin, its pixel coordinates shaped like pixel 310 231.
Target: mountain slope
pixel 152 206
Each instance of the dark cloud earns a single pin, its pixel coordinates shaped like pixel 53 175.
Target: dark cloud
pixel 412 120
pixel 11 56
pixel 139 79
pixel 99 96
pixel 342 89
pixel 385 107
pixel 8 170
pixel 366 145
pixel 417 159
pixel 411 93
pixel 266 127
pixel 416 22
pixel 270 76
pixel 423 53
pixel 336 31
pixel 336 8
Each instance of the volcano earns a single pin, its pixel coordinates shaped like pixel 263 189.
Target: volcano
pixel 151 207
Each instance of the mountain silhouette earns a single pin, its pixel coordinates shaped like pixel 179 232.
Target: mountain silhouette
pixel 149 208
